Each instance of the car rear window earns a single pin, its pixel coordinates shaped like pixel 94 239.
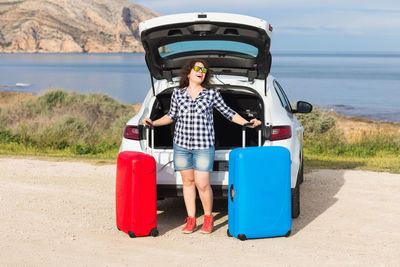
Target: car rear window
pixel 230 48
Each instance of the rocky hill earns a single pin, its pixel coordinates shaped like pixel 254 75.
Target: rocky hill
pixel 71 26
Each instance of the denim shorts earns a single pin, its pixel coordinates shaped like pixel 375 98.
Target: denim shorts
pixel 198 159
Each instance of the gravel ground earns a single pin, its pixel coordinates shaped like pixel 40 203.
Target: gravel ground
pixel 63 214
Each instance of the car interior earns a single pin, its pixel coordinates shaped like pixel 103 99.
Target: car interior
pixel 228 135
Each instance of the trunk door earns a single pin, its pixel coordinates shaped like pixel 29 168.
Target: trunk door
pixel 231 44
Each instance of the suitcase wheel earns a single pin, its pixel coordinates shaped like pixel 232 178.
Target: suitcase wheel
pixel 228 234
pixel 288 234
pixel 242 237
pixel 154 232
pixel 118 228
pixel 131 234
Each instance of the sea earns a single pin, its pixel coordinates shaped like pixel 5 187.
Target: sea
pixel 363 84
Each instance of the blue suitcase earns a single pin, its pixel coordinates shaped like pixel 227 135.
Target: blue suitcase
pixel 259 202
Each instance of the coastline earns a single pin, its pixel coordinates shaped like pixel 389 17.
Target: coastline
pixel 350 85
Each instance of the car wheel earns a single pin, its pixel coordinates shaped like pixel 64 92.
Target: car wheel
pixel 296 201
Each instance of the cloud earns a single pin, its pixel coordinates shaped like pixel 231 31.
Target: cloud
pixel 266 4
pixel 354 22
pixel 356 17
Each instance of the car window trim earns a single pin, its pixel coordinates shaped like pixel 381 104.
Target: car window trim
pixel 288 106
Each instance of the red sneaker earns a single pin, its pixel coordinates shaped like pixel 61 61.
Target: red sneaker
pixel 190 225
pixel 207 225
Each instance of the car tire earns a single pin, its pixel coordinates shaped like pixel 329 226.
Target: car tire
pixel 296 201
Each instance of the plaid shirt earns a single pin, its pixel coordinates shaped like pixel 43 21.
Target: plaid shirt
pixel 194 127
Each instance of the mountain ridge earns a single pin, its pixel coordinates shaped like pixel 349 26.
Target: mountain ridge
pixel 71 26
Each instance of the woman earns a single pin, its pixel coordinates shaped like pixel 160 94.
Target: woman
pixel 192 109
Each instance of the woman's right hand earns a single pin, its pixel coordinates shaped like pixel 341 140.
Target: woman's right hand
pixel 147 120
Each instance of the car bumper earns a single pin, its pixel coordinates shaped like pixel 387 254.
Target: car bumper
pixel 163 191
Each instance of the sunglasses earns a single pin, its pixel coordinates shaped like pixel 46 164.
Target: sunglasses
pixel 202 69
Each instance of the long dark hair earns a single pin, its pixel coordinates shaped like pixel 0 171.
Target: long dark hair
pixel 184 81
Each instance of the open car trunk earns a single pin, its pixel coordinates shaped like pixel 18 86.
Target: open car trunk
pixel 228 135
pixel 231 44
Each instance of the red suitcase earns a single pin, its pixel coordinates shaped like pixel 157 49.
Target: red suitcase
pixel 136 199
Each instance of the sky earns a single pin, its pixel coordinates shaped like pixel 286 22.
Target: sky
pixel 310 25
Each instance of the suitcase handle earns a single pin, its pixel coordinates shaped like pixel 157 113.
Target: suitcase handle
pixel 232 192
pixel 247 125
pixel 148 124
pixel 244 133
pixel 151 127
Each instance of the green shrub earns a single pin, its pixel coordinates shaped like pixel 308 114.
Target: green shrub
pixel 316 122
pixel 321 136
pixel 51 99
pixel 368 145
pixel 84 149
pixel 6 137
pixel 64 132
pixel 88 124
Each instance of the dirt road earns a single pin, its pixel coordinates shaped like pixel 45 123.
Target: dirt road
pixel 62 214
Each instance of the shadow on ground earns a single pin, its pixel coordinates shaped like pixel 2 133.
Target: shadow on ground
pixel 317 194
pixel 173 213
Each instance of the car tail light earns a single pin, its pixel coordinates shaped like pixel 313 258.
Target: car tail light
pixel 132 132
pixel 281 132
pixel 271 28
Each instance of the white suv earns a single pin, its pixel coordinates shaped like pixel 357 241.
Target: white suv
pixel 236 48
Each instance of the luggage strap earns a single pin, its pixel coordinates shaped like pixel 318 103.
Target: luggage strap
pixel 165 165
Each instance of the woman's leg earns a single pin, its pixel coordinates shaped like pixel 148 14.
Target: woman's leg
pixel 202 180
pixel 203 161
pixel 189 191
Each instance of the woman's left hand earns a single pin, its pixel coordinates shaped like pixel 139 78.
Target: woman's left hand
pixel 255 123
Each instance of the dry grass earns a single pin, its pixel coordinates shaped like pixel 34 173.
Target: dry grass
pixel 137 107
pixel 11 98
pixel 354 128
pixel 335 141
pixel 381 162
